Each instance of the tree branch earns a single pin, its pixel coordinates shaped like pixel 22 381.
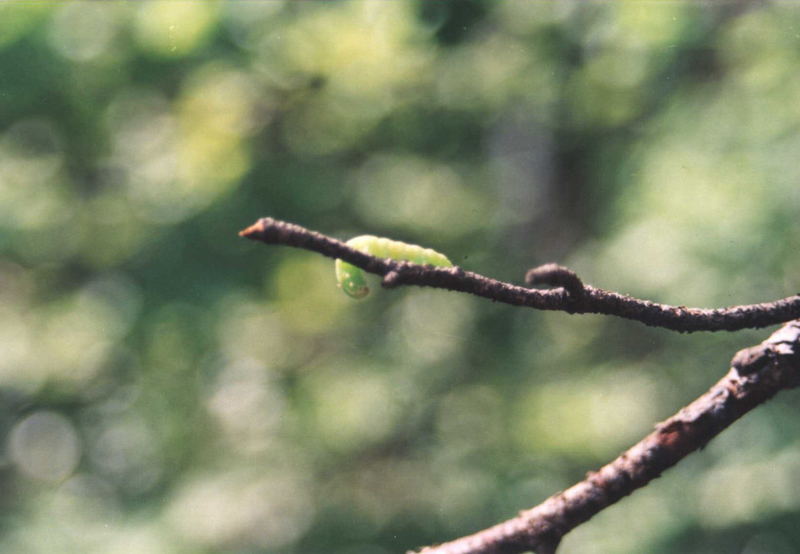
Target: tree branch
pixel 756 375
pixel 574 297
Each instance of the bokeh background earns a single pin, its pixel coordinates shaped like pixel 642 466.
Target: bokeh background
pixel 168 387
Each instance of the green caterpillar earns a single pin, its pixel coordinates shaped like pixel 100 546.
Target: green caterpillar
pixel 352 280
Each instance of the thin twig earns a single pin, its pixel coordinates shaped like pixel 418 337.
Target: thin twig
pixel 756 375
pixel 590 299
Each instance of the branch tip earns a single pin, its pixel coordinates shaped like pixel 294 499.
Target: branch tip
pixel 252 231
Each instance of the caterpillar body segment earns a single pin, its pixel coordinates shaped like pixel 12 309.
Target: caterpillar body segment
pixel 352 280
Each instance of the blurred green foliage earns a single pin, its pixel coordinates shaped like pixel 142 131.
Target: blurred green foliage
pixel 168 387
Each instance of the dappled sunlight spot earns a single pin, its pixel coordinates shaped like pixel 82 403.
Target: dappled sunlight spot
pixel 247 405
pixel 641 25
pixel 361 49
pixel 766 72
pixel 607 90
pixel 216 112
pixel 687 210
pixel 623 411
pixel 647 257
pixel 267 62
pixel 17 327
pixel 56 522
pixel 595 417
pixel 367 58
pixel 617 69
pixel 242 509
pixel 771 117
pixel 427 326
pixel 220 100
pixel 749 119
pixel 118 403
pixel 176 162
pixel 306 296
pixel 19 349
pixel 78 333
pixel 709 120
pixel 175 29
pixel 144 137
pixel 33 192
pixel 209 165
pixel 45 446
pixel 328 124
pixel 250 329
pixel 112 232
pixel 118 292
pixel 138 538
pixel 493 72
pixel 83 31
pixel 140 124
pixel 352 408
pixel 524 17
pixel 700 190
pixel 416 193
pixel 17 19
pixel 124 450
pixel 250 21
pixel 16 348
pixel 173 343
pixel 734 494
pixel 36 204
pixel 760 48
pixel 79 516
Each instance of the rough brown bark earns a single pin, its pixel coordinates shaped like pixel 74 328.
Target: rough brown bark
pixel 756 375
pixel 575 298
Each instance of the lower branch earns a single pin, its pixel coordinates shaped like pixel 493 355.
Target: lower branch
pixel 756 375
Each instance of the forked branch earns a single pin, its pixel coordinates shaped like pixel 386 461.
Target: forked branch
pixel 572 296
pixel 756 375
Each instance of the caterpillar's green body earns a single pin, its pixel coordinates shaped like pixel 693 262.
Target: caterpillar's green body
pixel 352 280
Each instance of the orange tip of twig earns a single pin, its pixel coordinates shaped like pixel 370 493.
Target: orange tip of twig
pixel 254 229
